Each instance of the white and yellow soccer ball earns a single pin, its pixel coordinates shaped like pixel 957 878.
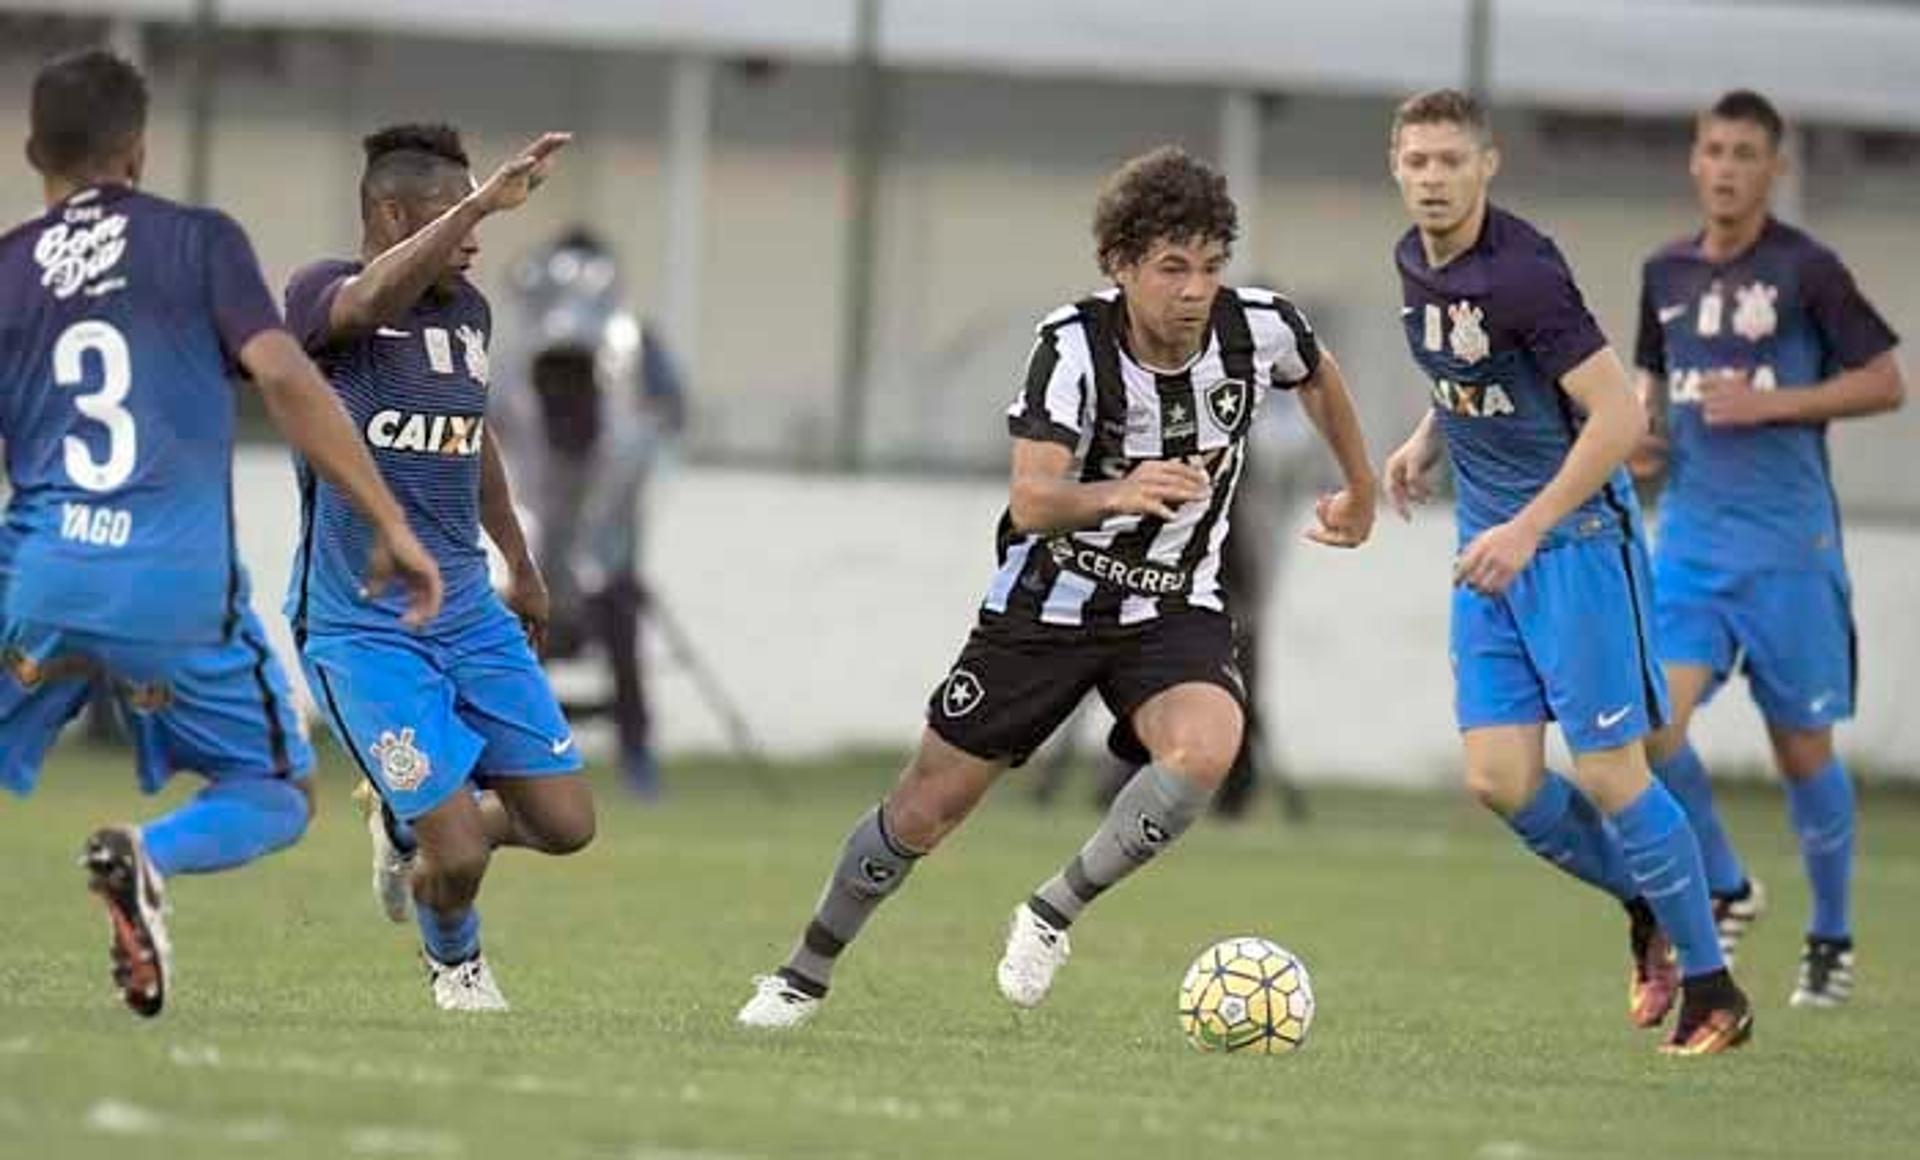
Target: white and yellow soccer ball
pixel 1246 994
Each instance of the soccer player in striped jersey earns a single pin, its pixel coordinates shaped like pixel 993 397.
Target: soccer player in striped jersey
pixel 455 727
pixel 125 320
pixel 1753 337
pixel 1128 444
pixel 1550 613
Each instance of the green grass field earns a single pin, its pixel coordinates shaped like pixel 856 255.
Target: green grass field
pixel 1471 1002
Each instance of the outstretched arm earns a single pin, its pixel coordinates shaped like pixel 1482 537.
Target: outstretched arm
pixel 387 288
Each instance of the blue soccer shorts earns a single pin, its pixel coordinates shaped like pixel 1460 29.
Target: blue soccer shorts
pixel 1568 641
pixel 219 710
pixel 421 713
pixel 1790 632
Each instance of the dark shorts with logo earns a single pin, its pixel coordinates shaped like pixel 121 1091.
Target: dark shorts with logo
pixel 1015 682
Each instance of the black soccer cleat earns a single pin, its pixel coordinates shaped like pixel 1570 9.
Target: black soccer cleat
pixel 128 886
pixel 1715 1017
pixel 1826 974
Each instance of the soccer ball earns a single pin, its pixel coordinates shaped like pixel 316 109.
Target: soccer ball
pixel 1246 994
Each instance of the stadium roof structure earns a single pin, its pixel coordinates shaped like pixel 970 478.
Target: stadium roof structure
pixel 1838 60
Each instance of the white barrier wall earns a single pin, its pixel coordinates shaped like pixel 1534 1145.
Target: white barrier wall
pixel 829 606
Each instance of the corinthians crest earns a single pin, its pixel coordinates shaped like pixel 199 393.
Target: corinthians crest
pixel 402 765
pixel 1227 402
pixel 1754 317
pixel 473 345
pixel 1468 339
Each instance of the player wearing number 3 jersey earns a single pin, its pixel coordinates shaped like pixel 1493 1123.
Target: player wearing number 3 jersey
pixel 124 321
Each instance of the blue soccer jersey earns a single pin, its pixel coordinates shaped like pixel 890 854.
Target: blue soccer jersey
pixel 1494 330
pixel 1787 313
pixel 121 319
pixel 417 390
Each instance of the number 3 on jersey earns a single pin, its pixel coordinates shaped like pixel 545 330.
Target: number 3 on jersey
pixel 103 406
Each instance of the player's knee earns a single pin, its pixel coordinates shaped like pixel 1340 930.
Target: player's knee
pixel 923 810
pixel 569 833
pixel 1802 753
pixel 1497 787
pixel 939 789
pixel 1200 754
pixel 919 816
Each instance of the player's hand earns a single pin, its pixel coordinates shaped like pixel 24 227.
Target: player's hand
pixel 1728 399
pixel 1158 487
pixel 1649 457
pixel 515 181
pixel 398 554
pixel 1406 475
pixel 1495 557
pixel 1343 519
pixel 527 599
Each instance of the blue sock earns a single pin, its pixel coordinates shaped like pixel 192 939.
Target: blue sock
pixel 449 938
pixel 1665 861
pixel 1685 776
pixel 1562 826
pixel 227 824
pixel 1821 807
pixel 399 831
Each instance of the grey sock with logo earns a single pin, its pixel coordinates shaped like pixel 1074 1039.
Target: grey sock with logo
pixel 1156 806
pixel 872 866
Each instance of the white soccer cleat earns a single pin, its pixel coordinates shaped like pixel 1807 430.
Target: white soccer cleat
pixel 467 986
pixel 1035 951
pixel 777 1005
pixel 392 868
pixel 1734 917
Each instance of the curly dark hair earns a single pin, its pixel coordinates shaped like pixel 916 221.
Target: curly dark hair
pixel 1164 195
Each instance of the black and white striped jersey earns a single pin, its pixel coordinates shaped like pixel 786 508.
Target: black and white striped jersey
pixel 1085 391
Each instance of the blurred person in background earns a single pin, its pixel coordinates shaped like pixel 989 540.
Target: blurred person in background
pixel 1753 337
pixel 588 400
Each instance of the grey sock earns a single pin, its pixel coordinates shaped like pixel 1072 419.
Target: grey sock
pixel 1150 811
pixel 872 866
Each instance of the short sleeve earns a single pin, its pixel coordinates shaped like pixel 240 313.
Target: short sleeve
pixel 1283 340
pixel 242 305
pixel 1051 404
pixel 1650 341
pixel 1855 333
pixel 310 294
pixel 1549 318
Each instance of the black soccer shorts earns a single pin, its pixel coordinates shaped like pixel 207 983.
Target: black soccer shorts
pixel 1015 682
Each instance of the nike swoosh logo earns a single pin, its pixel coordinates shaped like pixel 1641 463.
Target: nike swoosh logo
pixel 1669 313
pixel 390 332
pixel 1609 720
pixel 1819 704
pixel 1405 310
pixel 561 746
